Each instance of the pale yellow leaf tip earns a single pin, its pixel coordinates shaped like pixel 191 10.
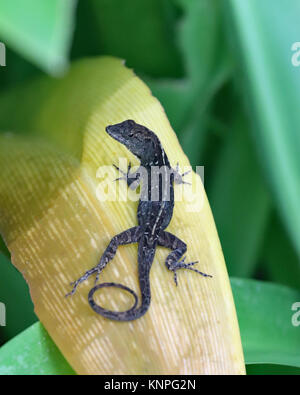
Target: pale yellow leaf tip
pixel 56 228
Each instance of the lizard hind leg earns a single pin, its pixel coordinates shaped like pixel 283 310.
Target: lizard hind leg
pixel 174 260
pixel 129 236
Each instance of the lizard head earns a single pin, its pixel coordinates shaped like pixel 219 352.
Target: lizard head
pixel 137 138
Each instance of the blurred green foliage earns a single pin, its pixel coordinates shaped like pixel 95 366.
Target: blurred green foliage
pixel 14 294
pixel 222 70
pixel 265 318
pixel 39 30
pixel 268 339
pixel 39 355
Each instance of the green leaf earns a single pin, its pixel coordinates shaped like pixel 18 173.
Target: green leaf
pixel 198 38
pixel 265 31
pixel 264 313
pixel 207 67
pixel 33 353
pixel 18 71
pixel 194 133
pixel 279 256
pixel 14 294
pixel 240 201
pixel 141 32
pixel 25 119
pixel 39 30
pixel 272 370
pixel 265 318
pixel 175 96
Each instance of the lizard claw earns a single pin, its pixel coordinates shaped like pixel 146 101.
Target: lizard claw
pixel 82 279
pixel 197 271
pixel 178 178
pixel 121 171
pixel 124 174
pixel 132 180
pixel 73 289
pixel 182 265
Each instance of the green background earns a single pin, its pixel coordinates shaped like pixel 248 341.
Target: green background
pixel 223 71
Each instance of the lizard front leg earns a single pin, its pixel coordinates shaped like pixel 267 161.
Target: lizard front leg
pixel 132 179
pixel 174 260
pixel 178 177
pixel 131 235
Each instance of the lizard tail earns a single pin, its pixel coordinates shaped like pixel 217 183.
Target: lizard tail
pixel 114 315
pixel 132 314
pixel 145 262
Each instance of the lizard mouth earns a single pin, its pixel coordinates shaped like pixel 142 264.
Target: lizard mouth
pixel 114 132
pixel 111 130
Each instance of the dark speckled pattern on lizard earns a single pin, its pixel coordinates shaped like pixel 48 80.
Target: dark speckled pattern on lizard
pixel 154 215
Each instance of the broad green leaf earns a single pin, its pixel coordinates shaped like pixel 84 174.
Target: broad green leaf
pixel 240 201
pixel 18 71
pixel 207 67
pixel 33 353
pixel 279 257
pixel 271 370
pixel 39 30
pixel 194 133
pixel 264 313
pixel 56 227
pixel 175 96
pixel 24 118
pixel 266 317
pixel 141 32
pixel 198 38
pixel 265 32
pixel 15 295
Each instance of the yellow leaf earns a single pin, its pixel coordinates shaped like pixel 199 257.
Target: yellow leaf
pixel 56 228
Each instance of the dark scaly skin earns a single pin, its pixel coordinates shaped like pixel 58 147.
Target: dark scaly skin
pixel 153 218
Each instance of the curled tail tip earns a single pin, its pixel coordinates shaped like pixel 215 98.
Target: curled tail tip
pixel 127 315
